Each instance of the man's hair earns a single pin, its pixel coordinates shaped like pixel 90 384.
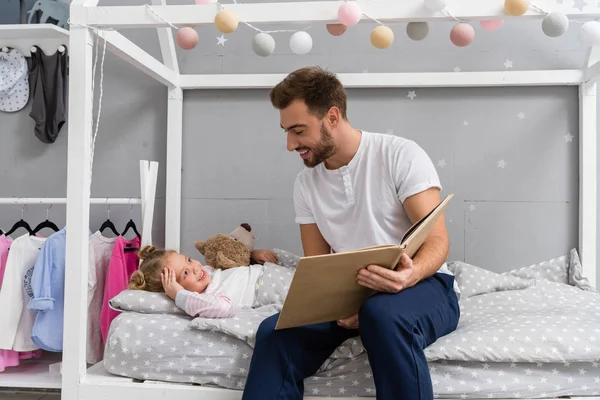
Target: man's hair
pixel 319 89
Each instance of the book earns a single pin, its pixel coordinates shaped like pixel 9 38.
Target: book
pixel 324 287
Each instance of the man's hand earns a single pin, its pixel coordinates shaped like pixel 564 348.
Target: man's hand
pixel 390 281
pixel 261 256
pixel 350 322
pixel 169 283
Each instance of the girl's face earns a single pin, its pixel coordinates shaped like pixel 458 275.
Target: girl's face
pixel 189 272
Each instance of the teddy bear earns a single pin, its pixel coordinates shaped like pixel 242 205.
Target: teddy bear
pixel 223 251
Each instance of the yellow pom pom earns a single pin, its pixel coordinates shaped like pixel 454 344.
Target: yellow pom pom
pixel 226 21
pixel 382 37
pixel 516 7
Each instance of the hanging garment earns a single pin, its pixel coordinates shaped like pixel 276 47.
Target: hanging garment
pixel 16 319
pixel 100 249
pixel 14 81
pixel 11 358
pixel 48 287
pixel 122 265
pixel 48 89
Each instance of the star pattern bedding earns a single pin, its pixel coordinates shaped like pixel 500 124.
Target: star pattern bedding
pixel 520 335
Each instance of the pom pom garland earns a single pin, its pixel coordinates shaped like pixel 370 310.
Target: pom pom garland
pixel 382 37
pixel 417 30
pixel 516 7
pixel 263 44
pixel 186 38
pixel 336 29
pixel 301 43
pixel 436 5
pixel 555 24
pixel 491 25
pixel 589 34
pixel 462 34
pixel 349 13
pixel 226 21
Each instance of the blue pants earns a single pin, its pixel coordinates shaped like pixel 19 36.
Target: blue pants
pixel 394 329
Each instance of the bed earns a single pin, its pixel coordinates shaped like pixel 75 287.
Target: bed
pixel 514 339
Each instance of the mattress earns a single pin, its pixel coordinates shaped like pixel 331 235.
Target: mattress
pixel 165 348
pixel 524 334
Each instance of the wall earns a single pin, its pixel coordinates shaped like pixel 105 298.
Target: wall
pixel 503 152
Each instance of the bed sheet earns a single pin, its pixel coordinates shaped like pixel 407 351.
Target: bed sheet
pixel 164 348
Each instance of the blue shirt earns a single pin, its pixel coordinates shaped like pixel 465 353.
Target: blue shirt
pixel 48 287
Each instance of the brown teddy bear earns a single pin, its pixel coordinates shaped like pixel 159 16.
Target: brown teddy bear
pixel 226 251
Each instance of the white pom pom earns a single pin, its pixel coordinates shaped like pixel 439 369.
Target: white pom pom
pixel 301 43
pixel 589 34
pixel 263 44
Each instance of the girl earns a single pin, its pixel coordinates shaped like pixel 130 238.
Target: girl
pixel 199 290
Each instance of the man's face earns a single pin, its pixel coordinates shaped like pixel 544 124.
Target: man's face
pixel 307 134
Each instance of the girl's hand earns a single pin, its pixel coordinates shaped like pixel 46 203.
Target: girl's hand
pixel 169 283
pixel 261 256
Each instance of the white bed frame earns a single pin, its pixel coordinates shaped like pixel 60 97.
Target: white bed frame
pixel 87 20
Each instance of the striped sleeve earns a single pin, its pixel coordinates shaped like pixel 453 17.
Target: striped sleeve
pixel 206 305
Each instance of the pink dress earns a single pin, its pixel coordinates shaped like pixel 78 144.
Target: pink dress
pixel 10 358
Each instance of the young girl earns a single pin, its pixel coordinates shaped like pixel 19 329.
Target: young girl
pixel 199 290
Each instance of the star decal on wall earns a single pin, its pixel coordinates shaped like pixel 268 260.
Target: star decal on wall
pixel 411 94
pixel 508 63
pixel 521 115
pixel 568 137
pixel 390 131
pixel 472 207
pixel 466 123
pixel 441 163
pixel 457 69
pixel 501 164
pixel 221 40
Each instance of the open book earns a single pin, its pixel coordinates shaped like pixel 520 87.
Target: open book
pixel 324 287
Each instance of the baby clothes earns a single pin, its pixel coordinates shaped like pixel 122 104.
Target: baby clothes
pixel 47 86
pixel 100 249
pixel 123 263
pixel 16 319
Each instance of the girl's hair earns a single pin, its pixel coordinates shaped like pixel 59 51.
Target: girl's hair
pixel 147 277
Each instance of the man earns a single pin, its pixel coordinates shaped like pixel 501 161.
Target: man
pixel 360 189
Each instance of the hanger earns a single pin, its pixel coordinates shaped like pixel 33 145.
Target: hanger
pixel 131 225
pixel 46 224
pixel 108 224
pixel 20 224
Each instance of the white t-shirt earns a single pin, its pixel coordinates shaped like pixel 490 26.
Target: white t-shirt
pixel 360 204
pixel 239 283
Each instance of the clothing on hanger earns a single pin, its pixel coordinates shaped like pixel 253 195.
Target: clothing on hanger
pixel 16 319
pixel 14 80
pixel 100 250
pixel 122 264
pixel 48 88
pixel 48 286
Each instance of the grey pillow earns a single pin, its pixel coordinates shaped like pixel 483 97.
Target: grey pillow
pixel 473 280
pixel 144 302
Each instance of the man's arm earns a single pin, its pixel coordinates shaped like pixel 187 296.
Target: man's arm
pixel 313 242
pixel 434 251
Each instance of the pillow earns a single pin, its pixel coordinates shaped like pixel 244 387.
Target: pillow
pixel 144 302
pixel 473 280
pixel 554 270
pixel 286 258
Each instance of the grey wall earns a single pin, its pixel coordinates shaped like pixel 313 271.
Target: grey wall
pixel 236 167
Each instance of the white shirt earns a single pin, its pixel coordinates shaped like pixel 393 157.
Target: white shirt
pixel 15 319
pixel 239 283
pixel 360 204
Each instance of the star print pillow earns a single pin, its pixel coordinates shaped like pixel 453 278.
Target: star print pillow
pixel 473 280
pixel 144 302
pixel 286 258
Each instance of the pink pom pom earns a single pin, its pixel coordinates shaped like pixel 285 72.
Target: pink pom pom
pixel 205 1
pixel 462 34
pixel 349 13
pixel 186 38
pixel 336 29
pixel 491 25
